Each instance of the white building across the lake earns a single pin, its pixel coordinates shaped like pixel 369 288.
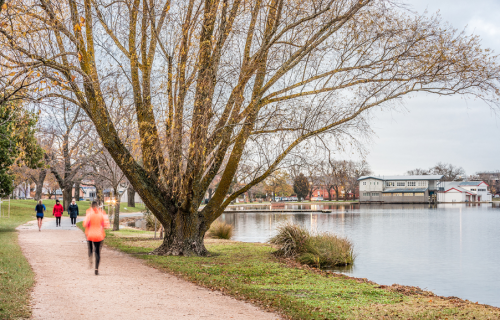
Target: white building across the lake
pixel 464 191
pixel 420 189
pixel 398 189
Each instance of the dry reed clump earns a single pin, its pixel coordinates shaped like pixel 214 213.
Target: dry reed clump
pixel 320 250
pixel 291 240
pixel 220 230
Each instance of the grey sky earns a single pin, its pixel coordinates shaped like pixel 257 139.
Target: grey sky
pixel 429 128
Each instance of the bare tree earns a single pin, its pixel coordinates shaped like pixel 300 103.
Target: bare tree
pixel 212 79
pixel 418 172
pixel 356 170
pixel 107 171
pixel 449 171
pixel 69 130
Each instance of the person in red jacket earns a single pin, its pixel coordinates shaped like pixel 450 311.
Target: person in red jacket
pixel 57 212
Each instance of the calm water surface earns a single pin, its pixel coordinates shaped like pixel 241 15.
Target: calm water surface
pixel 452 249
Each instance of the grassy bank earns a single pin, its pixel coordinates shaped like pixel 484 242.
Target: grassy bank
pixel 249 271
pixel 16 276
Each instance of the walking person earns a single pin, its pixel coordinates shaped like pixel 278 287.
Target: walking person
pixel 73 212
pixel 40 209
pixel 95 223
pixel 57 212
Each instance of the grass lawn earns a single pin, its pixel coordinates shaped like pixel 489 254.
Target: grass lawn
pixel 16 276
pixel 249 271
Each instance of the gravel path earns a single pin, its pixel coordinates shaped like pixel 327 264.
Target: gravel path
pixel 124 289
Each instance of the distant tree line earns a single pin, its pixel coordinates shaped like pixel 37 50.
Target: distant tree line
pixel 449 171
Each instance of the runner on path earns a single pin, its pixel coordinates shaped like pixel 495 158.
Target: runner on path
pixel 57 212
pixel 95 223
pixel 40 209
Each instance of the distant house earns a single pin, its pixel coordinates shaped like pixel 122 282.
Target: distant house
pixel 88 193
pixel 464 191
pixel 398 189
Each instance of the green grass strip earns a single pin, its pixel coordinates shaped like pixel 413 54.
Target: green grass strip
pixel 16 276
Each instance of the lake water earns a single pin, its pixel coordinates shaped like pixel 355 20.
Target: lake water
pixel 451 249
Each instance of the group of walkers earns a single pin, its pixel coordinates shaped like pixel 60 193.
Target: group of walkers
pixel 57 212
pixel 95 222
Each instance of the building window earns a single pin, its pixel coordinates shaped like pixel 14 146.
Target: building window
pixel 366 194
pixel 389 184
pixel 419 194
pixel 412 183
pixel 386 194
pixel 422 183
pixel 400 184
pixel 408 194
pixel 375 194
pixel 472 189
pixel 364 183
pixel 397 194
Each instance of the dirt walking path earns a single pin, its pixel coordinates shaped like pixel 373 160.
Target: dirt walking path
pixel 124 289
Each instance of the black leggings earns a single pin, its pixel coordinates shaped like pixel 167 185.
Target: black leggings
pixel 97 246
pixel 58 221
pixel 73 220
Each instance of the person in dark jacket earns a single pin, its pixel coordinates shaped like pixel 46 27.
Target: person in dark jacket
pixel 40 209
pixel 73 212
pixel 57 212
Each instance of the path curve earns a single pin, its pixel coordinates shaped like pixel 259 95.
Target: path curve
pixel 124 289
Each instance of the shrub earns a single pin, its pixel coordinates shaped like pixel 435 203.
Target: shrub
pixel 327 250
pixel 220 230
pixel 321 250
pixel 291 240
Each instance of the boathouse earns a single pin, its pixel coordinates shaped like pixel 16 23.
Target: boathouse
pixel 399 189
pixel 464 191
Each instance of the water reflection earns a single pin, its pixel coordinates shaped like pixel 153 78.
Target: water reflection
pixel 451 249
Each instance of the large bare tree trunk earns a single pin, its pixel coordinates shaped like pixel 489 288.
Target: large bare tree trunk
pixel 39 184
pixel 184 236
pixel 67 196
pixel 99 194
pixel 131 196
pixel 77 191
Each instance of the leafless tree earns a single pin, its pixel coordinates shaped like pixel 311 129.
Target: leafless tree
pixel 450 172
pixel 213 79
pixel 69 130
pixel 418 172
pixel 356 170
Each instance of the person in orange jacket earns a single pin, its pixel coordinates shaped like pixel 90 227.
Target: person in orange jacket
pixel 95 223
pixel 57 212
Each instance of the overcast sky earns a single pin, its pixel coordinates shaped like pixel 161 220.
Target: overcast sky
pixel 429 128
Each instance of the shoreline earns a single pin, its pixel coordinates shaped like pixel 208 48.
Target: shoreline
pixel 296 300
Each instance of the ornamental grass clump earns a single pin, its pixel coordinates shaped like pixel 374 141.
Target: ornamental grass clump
pixel 291 240
pixel 220 230
pixel 320 250
pixel 327 250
